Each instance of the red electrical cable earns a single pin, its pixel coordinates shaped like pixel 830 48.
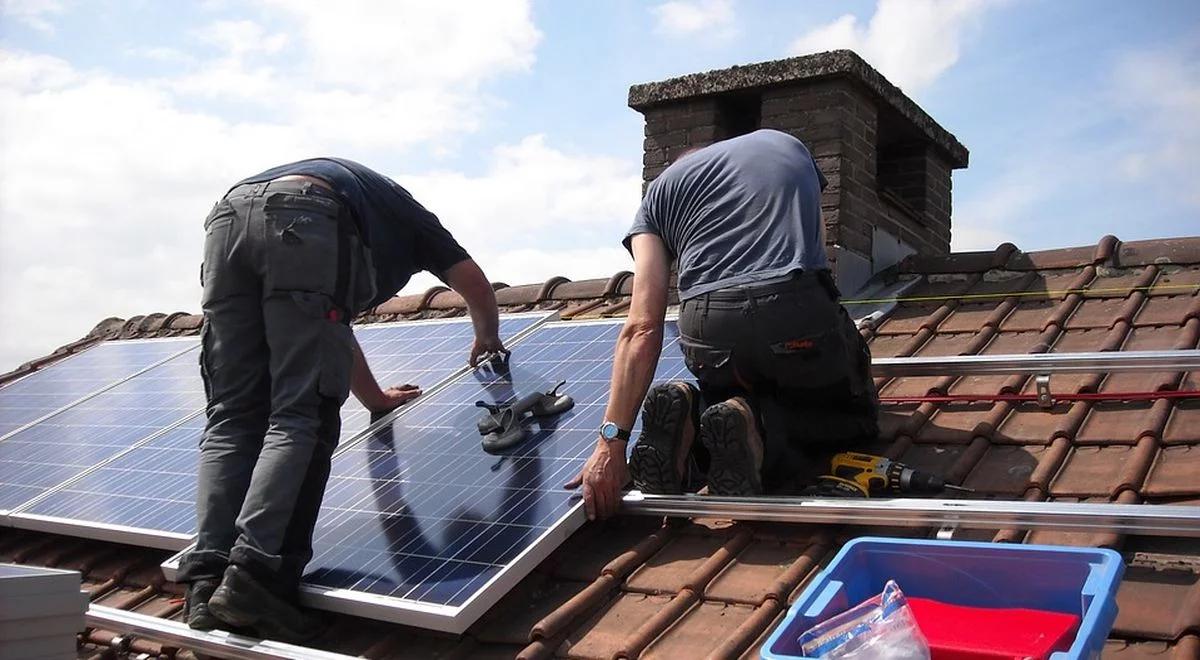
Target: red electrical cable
pixel 1081 396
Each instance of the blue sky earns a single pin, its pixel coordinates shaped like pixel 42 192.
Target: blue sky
pixel 124 121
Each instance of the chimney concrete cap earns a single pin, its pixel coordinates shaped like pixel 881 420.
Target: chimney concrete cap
pixel 831 64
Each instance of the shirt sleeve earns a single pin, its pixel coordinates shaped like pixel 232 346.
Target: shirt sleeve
pixel 437 250
pixel 821 180
pixel 645 222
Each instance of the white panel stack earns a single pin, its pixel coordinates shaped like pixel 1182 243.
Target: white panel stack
pixel 41 610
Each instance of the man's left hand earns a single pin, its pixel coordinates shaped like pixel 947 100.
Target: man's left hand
pixel 602 478
pixel 483 346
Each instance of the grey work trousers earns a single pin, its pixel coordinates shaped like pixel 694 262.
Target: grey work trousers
pixel 792 350
pixel 283 272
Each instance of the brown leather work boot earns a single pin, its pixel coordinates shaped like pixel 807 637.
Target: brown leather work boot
pixel 669 418
pixel 729 431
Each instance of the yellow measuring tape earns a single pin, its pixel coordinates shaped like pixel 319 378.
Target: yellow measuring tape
pixel 1021 294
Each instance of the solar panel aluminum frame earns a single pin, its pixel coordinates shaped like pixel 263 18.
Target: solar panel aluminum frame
pixel 446 618
pixel 183 340
pixel 163 540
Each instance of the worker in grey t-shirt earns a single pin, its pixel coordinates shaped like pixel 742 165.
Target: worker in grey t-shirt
pixel 781 367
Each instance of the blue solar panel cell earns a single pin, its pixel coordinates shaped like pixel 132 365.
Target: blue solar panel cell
pixel 419 513
pixel 152 486
pixel 77 439
pixel 65 382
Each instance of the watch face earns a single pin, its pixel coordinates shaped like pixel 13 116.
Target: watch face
pixel 609 430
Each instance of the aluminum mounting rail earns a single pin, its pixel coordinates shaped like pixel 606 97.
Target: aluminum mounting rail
pixel 217 643
pixel 1038 363
pixel 1135 519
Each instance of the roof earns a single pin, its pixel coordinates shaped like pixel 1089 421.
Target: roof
pixel 708 588
pixel 835 63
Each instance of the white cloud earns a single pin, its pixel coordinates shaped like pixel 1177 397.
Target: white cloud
pixel 911 42
pixel 104 188
pixel 368 74
pixel 365 44
pixel 531 192
pixel 679 18
pixel 1158 92
pixel 34 13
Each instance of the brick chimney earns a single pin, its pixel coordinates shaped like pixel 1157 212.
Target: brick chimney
pixel 887 161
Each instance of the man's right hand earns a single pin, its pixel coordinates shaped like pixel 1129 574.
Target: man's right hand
pixel 394 397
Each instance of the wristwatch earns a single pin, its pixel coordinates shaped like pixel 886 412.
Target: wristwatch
pixel 610 431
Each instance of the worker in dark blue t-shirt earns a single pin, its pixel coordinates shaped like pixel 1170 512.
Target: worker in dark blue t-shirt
pixel 781 367
pixel 291 255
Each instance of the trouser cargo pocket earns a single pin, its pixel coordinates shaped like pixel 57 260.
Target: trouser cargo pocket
pixel 812 360
pixel 332 340
pixel 302 243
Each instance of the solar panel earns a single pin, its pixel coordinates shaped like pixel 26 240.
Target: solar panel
pixel 73 441
pixel 419 526
pixel 147 494
pixel 63 383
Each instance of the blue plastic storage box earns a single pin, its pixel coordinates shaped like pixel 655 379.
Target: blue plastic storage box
pixel 1080 581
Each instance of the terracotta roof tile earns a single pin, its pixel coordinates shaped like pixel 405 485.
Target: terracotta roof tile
pixel 1163 310
pixel 1104 470
pixel 944 459
pixel 1030 315
pixel 700 631
pixel 764 569
pixel 970 317
pixel 1120 282
pixel 1051 259
pixel 754 652
pixel 1123 422
pixel 1175 472
pixel 604 635
pixel 889 345
pixel 1177 280
pixel 1097 313
pixel 671 568
pixel 958 422
pixel 1158 604
pixel 1184 423
pixel 1009 469
pixel 588 289
pixel 1028 423
pixel 1184 250
pixel 1187 648
pixel 907 318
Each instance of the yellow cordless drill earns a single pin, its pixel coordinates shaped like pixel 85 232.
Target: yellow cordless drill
pixel 865 475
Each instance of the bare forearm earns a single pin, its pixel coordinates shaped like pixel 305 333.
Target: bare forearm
pixel 469 281
pixel 362 382
pixel 635 359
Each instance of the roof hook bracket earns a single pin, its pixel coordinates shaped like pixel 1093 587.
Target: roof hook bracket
pixel 1044 398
